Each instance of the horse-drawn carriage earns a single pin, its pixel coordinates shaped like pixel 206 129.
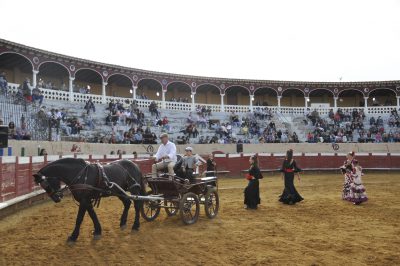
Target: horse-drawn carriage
pixel 89 182
pixel 178 195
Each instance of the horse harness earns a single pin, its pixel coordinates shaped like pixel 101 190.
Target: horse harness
pixel 103 184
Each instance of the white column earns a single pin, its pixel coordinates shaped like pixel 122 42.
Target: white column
pixel 134 88
pixel 222 103
pixel 34 75
pixel 279 102
pixel 193 101
pixel 103 92
pixel 366 105
pixel 163 106
pixel 335 103
pixel 306 99
pixel 71 89
pixel 251 102
pixel 398 101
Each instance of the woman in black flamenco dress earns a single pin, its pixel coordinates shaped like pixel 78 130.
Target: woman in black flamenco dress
pixel 252 191
pixel 289 169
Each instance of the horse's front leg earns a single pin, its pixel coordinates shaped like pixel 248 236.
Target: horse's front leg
pixel 96 223
pixel 136 224
pixel 79 218
pixel 124 216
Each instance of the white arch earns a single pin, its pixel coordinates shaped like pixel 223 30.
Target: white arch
pixel 227 88
pixel 325 89
pixel 288 89
pixel 395 93
pixel 351 89
pixel 120 75
pixel 259 88
pixel 12 52
pixel 150 79
pixel 213 85
pixel 55 62
pixel 83 68
pixel 190 87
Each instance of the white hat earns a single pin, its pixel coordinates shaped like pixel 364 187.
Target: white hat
pixel 188 149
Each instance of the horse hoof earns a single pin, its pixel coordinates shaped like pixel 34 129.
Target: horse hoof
pixel 123 227
pixel 134 230
pixel 70 241
pixel 96 237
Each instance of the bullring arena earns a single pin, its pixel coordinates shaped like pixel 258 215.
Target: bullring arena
pixel 323 230
pixel 58 107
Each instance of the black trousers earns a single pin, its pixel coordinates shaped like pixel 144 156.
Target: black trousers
pixel 189 174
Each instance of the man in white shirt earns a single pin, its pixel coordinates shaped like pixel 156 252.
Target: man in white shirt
pixel 166 154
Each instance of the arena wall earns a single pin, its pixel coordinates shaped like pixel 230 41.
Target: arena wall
pixel 64 148
pixel 18 190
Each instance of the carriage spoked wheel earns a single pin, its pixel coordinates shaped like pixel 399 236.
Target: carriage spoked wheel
pixel 172 207
pixel 189 208
pixel 150 209
pixel 211 203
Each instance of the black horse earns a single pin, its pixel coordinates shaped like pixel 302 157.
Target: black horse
pixel 88 183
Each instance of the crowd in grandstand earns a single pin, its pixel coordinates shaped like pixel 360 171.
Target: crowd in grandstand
pixel 346 126
pixel 127 122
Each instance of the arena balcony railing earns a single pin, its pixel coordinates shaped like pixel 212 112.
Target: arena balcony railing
pixel 179 106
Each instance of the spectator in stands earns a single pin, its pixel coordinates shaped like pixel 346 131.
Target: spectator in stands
pixel 153 108
pixel 202 121
pixel 3 83
pixel 190 119
pixel 43 152
pixel 379 121
pixel 295 138
pixel 37 96
pixel 165 124
pixel 372 121
pixel 89 122
pixel 23 133
pixel 284 137
pixel 89 106
pixel 12 131
pixel 75 148
pixel 138 138
pixel 26 90
pixel 234 118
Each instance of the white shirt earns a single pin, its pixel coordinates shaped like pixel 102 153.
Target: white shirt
pixel 168 149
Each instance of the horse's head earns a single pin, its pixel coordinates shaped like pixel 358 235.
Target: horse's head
pixel 51 185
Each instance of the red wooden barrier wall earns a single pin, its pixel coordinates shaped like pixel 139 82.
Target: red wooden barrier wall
pixel 16 178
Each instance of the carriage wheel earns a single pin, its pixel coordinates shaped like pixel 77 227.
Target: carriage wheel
pixel 211 203
pixel 171 211
pixel 150 210
pixel 189 208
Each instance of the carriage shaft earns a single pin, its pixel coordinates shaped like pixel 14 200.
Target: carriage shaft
pixel 149 198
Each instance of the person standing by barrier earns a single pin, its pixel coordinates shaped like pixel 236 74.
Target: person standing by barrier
pixel 289 169
pixel 252 191
pixel 211 166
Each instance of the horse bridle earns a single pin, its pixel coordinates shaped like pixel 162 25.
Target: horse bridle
pixel 57 195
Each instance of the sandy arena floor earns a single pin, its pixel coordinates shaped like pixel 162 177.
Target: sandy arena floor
pixel 322 230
